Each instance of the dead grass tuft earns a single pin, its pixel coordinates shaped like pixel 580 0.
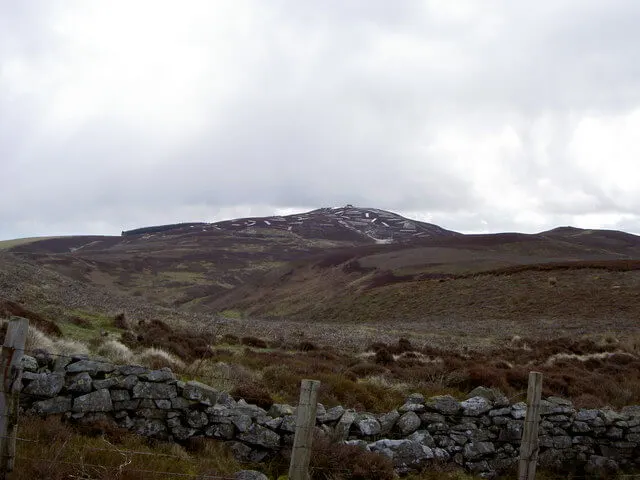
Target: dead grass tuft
pixel 104 452
pixel 157 358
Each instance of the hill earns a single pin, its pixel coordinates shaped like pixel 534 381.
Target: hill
pixel 346 265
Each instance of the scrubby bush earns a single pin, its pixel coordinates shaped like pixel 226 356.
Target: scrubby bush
pixel 120 321
pixel 253 392
pixel 306 346
pixel 253 342
pixel 384 357
pixel 331 460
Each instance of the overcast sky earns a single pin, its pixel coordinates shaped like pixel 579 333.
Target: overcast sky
pixel 480 116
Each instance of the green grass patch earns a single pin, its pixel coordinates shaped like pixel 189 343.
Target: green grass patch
pixel 6 244
pixel 84 326
pixel 237 314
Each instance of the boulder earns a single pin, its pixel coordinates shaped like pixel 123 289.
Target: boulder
pixel 223 430
pixel 288 423
pixel 45 385
pixel 120 395
pixel 476 406
pixel 261 436
pixel 197 419
pixel 29 363
pixel 154 390
pixel 331 415
pixel 408 423
pixel 98 401
pixel 90 366
pixel 106 383
pixel 476 450
pixel 423 438
pixel 344 424
pixel 280 410
pixel 406 454
pixel 444 404
pixel 162 375
pixel 367 424
pixel 242 422
pixel 53 405
pixel 387 421
pixel 244 453
pixel 80 383
pixel 200 392
pixel 149 428
pixel 250 475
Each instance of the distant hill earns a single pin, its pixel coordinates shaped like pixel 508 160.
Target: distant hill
pixel 349 223
pixel 325 263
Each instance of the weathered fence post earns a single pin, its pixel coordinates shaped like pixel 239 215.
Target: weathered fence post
pixel 11 358
pixel 529 445
pixel 305 421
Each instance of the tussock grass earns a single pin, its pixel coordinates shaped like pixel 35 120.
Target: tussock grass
pixel 157 358
pixel 115 351
pixel 38 340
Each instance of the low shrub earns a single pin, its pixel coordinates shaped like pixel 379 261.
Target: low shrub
pixel 230 339
pixel 253 342
pixel 334 461
pixel 253 392
pixel 121 322
pixel 384 357
pixel 365 369
pixel 307 346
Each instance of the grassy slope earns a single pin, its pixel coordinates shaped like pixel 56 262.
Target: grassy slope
pixel 7 244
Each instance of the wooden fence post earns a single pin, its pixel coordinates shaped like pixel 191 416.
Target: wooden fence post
pixel 11 358
pixel 305 421
pixel 529 445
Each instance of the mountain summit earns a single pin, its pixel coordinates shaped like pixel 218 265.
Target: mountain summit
pixel 348 223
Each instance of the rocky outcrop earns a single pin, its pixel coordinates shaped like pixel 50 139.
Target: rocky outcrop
pixel 481 434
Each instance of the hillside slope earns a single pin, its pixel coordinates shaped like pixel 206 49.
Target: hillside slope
pixel 337 265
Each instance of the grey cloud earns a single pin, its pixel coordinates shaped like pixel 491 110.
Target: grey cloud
pixel 326 103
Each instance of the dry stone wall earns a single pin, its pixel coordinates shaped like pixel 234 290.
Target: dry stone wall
pixel 481 434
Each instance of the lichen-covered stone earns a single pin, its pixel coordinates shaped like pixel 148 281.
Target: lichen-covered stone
pixel 250 475
pixel 53 406
pixel 280 410
pixel 408 423
pixel 90 366
pixel 98 401
pixel 476 406
pixel 367 424
pixel 162 375
pixel 387 421
pixel 331 415
pixel 154 390
pixel 45 385
pixel 197 419
pixel 29 363
pixel 444 404
pixel 80 383
pixel 259 435
pixel 477 450
pixel 200 392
